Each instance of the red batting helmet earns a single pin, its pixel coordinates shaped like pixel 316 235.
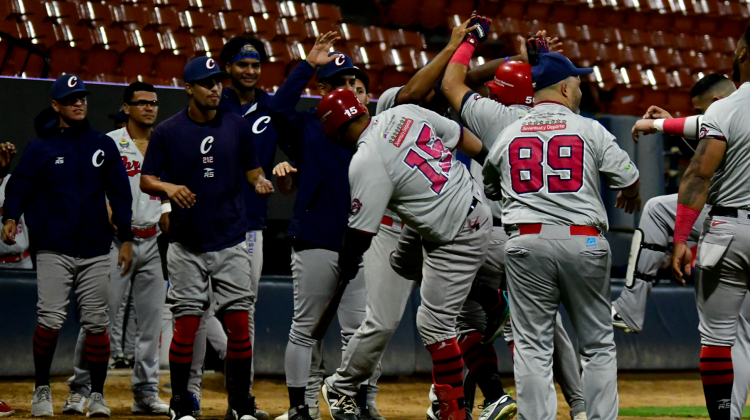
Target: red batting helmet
pixel 512 84
pixel 337 108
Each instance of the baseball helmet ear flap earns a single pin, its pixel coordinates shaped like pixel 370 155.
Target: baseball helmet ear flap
pixel 512 84
pixel 337 108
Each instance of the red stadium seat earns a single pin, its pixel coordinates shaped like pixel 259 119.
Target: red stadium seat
pixel 101 61
pixel 432 13
pixel 146 41
pixel 352 33
pixel 111 38
pixel 25 9
pixel 322 11
pixel 720 62
pixel 372 57
pixel 513 9
pixel 273 76
pixel 205 6
pixel 694 60
pixel 135 63
pixel 683 79
pixel 635 37
pixel 230 24
pixel 292 29
pixel 95 14
pixel 652 97
pixel 196 22
pixel 375 35
pixel 535 11
pixel 291 9
pixel 625 102
pixel 41 34
pixel 352 51
pixel 685 24
pixel 62 12
pixel 169 65
pixel 316 27
pixel 164 19
pixel 265 8
pixel 404 13
pixel 679 104
pixel 131 17
pixel 262 28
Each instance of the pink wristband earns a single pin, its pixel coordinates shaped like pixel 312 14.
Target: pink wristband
pixel 683 224
pixel 463 54
pixel 675 126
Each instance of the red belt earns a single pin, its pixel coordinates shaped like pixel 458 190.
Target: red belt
pixel 534 228
pixel 388 221
pixel 145 233
pixel 14 258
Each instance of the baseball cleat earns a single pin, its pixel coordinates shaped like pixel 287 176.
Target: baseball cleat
pixel 74 404
pixel 370 413
pixel 342 407
pixel 497 317
pixel 97 407
pixel 196 399
pixel 41 403
pixel 300 413
pixel 151 404
pixel 5 410
pixel 618 322
pixel 433 411
pixel 314 413
pixel 580 416
pixel 181 408
pixel 503 408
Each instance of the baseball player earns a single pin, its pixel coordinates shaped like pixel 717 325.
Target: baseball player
pixel 547 166
pixel 12 256
pixel 404 161
pixel 657 221
pixel 144 281
pixel 319 221
pixel 206 154
pixel 511 95
pixel 60 185
pixel 242 58
pixel 717 176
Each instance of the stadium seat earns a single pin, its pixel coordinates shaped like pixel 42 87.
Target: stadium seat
pixel 261 27
pixel 146 41
pixel 375 35
pixel 322 11
pixel 196 22
pixel 694 60
pixel 404 13
pixel 606 75
pixel 291 9
pixel 662 39
pixel 373 57
pixel 635 37
pixel 513 9
pixel 25 9
pixel 169 65
pixel 95 14
pixel 684 42
pixel 279 51
pixel 292 29
pixel 131 17
pixel 134 63
pixel 101 61
pixel 679 104
pixel 110 38
pixel 205 6
pixel 164 19
pixel 352 33
pixel 352 51
pixel 720 62
pixel 683 79
pixel 432 13
pixel 652 97
pixel 626 101
pixel 210 45
pixel 316 27
pixel 265 8
pixel 62 12
pixel 230 24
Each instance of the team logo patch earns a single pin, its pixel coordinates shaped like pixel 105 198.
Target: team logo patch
pixel 210 63
pixel 403 128
pixel 703 133
pixel 356 207
pixel 72 81
pixel 60 160
pixel 591 242
pixel 124 144
pixel 340 60
pixel 95 158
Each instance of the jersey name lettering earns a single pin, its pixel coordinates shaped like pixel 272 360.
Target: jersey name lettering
pixel 131 167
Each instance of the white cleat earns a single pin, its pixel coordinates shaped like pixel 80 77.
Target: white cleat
pixel 580 416
pixel 97 407
pixel 75 404
pixel 618 322
pixel 150 405
pixel 41 403
pixel 314 413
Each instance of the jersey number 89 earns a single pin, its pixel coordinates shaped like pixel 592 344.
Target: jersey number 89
pixel 564 153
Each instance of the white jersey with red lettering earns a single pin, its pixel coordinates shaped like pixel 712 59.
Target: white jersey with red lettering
pixel 548 166
pixel 146 208
pixel 488 118
pixel 726 120
pixel 22 234
pixel 405 162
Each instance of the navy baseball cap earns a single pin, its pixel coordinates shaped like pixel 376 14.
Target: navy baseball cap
pixel 340 64
pixel 68 84
pixel 552 68
pixel 202 68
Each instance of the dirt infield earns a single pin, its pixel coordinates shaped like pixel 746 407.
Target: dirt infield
pixel 399 398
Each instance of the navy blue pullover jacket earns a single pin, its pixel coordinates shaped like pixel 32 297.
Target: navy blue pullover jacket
pixel 60 184
pixel 322 208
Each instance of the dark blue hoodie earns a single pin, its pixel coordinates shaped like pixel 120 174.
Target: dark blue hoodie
pixel 60 185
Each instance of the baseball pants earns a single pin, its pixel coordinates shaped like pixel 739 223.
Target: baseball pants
pixel 148 288
pixel 210 327
pixel 544 270
pixel 189 273
pixel 315 274
pixel 57 275
pixel 387 296
pixel 657 224
pixel 472 318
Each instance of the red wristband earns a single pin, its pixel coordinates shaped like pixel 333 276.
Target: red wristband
pixel 463 54
pixel 675 126
pixel 683 224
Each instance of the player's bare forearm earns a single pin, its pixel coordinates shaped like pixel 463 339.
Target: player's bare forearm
pixel 257 178
pixel 180 194
pixel 470 145
pixel 697 179
pixel 454 87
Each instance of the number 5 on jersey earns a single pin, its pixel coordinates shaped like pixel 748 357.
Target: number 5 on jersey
pixel 564 155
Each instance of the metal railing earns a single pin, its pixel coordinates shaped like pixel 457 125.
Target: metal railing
pixel 30 49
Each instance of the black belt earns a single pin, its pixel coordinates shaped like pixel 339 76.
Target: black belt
pixel 497 222
pixel 723 211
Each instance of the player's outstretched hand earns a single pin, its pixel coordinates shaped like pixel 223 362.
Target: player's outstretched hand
pixel 481 29
pixel 682 257
pixel 7 151
pixel 125 259
pixel 181 195
pixel 318 55
pixel 264 188
pixel 655 112
pixel 459 33
pixel 645 126
pixel 283 170
pixel 628 204
pixel 9 232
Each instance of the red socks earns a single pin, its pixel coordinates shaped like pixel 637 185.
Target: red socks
pixel 97 354
pixel 717 375
pixel 239 356
pixel 448 376
pixel 45 343
pixel 475 353
pixel 181 352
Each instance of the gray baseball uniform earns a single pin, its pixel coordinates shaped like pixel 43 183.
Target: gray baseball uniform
pixel 547 167
pixel 404 163
pixel 14 256
pixel 144 281
pixel 487 118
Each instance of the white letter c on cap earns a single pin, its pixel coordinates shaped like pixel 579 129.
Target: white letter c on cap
pixel 72 81
pixel 210 63
pixel 340 60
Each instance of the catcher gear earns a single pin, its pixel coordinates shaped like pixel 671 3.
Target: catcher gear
pixel 535 47
pixel 338 108
pixel 478 34
pixel 635 251
pixel 512 84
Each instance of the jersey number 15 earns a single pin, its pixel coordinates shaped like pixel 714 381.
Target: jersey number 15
pixel 437 152
pixel 564 153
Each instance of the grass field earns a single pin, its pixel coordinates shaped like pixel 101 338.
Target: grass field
pixel 642 395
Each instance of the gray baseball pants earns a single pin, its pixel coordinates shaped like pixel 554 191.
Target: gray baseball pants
pixel 387 296
pixel 57 275
pixel 149 289
pixel 544 270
